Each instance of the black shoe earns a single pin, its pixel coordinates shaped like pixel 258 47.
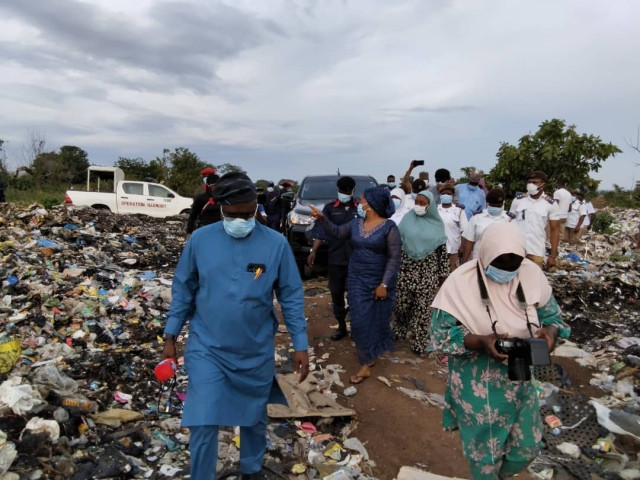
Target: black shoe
pixel 338 335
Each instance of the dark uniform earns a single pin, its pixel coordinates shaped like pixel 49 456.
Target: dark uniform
pixel 273 210
pixel 204 211
pixel 339 253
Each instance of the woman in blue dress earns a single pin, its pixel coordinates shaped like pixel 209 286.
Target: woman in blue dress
pixel 373 271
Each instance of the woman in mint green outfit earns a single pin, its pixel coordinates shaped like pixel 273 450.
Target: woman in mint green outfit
pixel 499 295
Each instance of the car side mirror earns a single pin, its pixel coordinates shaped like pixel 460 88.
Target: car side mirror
pixel 287 196
pixel 171 195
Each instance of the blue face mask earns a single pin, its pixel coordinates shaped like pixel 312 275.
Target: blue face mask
pixel 361 211
pixel 500 276
pixel 414 195
pixel 494 211
pixel 573 199
pixel 269 189
pixel 344 198
pixel 397 202
pixel 392 184
pixel 238 227
pixel 446 199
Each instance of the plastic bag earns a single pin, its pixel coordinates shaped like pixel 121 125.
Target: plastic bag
pixel 40 425
pixel 19 398
pixel 8 454
pixel 10 351
pixel 50 376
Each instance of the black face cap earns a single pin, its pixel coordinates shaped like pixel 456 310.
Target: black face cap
pixel 234 188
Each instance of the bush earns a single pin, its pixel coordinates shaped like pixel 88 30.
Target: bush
pixel 603 223
pixel 48 202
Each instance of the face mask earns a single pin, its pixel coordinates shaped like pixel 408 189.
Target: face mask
pixel 500 276
pixel 361 211
pixel 392 184
pixel 573 199
pixel 446 199
pixel 396 202
pixel 414 195
pixel 269 189
pixel 420 210
pixel 280 187
pixel 495 211
pixel 343 197
pixel 532 189
pixel 238 227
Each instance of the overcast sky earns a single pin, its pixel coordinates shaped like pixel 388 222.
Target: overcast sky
pixel 287 88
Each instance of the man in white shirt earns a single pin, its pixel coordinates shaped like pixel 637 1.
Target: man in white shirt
pixel 563 197
pixel 589 218
pixel 455 221
pixel 478 223
pixel 575 218
pixel 532 212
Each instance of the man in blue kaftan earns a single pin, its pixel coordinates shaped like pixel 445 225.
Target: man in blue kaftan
pixel 224 285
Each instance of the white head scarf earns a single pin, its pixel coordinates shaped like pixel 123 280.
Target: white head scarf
pixel 403 208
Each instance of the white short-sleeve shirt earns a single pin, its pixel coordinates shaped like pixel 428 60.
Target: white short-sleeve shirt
pixel 478 224
pixel 590 211
pixel 532 217
pixel 578 209
pixel 563 197
pixel 455 221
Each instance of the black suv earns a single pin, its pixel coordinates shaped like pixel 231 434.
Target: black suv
pixel 316 190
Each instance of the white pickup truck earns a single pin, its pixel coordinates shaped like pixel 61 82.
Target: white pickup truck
pixel 127 196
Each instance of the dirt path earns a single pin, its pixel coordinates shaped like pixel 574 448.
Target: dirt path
pixel 396 429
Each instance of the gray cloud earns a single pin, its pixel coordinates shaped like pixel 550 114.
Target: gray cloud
pixel 183 41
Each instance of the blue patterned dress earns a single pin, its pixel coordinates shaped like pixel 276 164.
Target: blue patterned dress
pixel 375 259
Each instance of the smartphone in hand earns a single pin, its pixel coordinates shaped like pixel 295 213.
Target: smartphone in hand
pixel 417 163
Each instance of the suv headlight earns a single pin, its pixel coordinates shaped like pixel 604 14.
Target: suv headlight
pixel 298 219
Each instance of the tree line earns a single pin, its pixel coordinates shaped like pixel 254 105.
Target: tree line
pixel 556 148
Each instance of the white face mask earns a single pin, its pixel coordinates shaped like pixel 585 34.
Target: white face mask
pixel 532 189
pixel 420 210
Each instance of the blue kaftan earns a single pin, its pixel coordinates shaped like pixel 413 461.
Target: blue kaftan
pixel 230 352
pixel 375 259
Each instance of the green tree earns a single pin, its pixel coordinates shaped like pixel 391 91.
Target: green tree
pixel 228 168
pixel 558 150
pixel 133 168
pixel 73 163
pixel 184 170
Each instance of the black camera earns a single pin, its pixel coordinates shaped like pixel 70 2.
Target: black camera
pixel 523 353
pixel 417 163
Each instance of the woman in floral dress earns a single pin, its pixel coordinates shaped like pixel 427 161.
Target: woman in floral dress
pixel 425 265
pixel 498 418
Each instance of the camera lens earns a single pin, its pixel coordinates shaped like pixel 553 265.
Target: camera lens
pixel 518 369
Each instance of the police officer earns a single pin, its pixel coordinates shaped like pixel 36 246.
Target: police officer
pixel 341 211
pixel 272 207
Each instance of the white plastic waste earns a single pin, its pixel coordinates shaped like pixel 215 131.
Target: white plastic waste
pixel 21 398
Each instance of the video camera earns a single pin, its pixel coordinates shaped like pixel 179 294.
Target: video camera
pixel 523 353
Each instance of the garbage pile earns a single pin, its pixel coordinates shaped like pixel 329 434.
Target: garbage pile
pixel 596 284
pixel 82 310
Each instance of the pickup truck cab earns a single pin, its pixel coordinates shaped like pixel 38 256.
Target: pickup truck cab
pixel 127 196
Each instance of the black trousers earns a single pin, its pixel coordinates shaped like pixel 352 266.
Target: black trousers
pixel 338 287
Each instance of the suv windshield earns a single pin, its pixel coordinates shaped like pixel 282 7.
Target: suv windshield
pixel 325 188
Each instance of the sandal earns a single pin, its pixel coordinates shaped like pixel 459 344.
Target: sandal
pixel 357 379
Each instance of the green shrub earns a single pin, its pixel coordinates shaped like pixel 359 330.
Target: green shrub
pixel 603 223
pixel 48 202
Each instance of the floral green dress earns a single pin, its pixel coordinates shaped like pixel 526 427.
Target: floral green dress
pixel 499 420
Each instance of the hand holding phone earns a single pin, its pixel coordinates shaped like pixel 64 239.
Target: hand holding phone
pixel 417 163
